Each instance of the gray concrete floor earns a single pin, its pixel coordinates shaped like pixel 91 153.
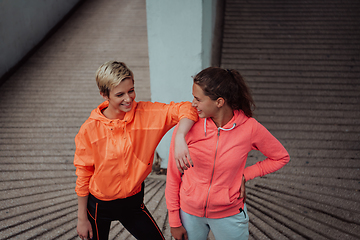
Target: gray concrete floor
pixel 301 60
pixel 42 107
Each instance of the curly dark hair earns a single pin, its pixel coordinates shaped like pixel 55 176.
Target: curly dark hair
pixel 229 84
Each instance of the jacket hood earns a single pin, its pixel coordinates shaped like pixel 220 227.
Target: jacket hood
pixel 238 119
pixel 97 114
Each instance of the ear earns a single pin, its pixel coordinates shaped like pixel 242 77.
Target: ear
pixel 220 102
pixel 104 96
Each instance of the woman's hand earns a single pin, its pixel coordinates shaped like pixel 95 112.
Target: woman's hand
pixel 84 229
pixel 181 150
pixel 242 189
pixel 179 233
pixel 181 153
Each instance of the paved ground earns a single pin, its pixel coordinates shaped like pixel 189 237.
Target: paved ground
pixel 301 59
pixel 42 107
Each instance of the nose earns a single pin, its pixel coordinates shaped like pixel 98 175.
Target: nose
pixel 193 103
pixel 127 98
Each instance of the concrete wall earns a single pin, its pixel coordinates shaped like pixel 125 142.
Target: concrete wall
pixel 24 23
pixel 180 40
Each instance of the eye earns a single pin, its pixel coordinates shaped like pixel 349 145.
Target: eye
pixel 119 95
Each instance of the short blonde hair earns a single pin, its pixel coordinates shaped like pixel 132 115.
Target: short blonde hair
pixel 110 74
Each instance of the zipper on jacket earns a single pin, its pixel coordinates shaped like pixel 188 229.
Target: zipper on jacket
pixel 212 174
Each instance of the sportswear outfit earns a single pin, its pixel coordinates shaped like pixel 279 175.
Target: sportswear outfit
pixel 113 157
pixel 211 188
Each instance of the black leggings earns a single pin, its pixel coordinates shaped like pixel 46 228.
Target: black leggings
pixel 131 212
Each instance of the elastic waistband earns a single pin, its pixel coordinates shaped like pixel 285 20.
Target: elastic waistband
pixel 135 199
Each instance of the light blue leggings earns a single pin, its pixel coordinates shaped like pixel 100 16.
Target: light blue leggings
pixel 235 227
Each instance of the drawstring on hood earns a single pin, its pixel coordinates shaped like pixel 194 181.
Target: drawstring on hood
pixel 111 124
pixel 224 129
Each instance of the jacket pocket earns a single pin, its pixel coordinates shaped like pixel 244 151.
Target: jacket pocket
pixel 220 197
pixel 193 195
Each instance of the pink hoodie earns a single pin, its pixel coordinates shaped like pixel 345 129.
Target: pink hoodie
pixel 211 188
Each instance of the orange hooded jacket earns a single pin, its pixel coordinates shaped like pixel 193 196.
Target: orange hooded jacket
pixel 113 157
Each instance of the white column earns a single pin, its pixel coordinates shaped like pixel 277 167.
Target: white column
pixel 179 38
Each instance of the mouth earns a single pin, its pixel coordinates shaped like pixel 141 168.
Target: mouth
pixel 127 105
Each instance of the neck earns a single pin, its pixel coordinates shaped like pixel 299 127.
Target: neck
pixel 223 116
pixel 113 115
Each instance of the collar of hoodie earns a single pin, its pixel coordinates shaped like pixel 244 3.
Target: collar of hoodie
pixel 98 115
pixel 113 124
pixel 220 128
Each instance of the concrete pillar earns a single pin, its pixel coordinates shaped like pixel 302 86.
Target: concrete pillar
pixel 180 39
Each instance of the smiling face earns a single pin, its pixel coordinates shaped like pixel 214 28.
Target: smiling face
pixel 205 106
pixel 121 99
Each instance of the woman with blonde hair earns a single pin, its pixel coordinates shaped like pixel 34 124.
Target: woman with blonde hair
pixel 115 151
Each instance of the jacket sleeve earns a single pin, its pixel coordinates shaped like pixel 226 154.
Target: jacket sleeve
pixel 267 144
pixel 172 191
pixel 83 161
pixel 178 111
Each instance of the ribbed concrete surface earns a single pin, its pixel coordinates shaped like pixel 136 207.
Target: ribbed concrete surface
pixel 301 59
pixel 42 107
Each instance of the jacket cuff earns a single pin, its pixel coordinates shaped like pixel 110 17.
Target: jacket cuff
pixel 251 172
pixel 174 218
pixel 82 192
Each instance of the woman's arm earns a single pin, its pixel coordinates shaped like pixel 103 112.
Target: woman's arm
pixel 84 170
pixel 181 150
pixel 172 190
pixel 268 145
pixel 84 229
